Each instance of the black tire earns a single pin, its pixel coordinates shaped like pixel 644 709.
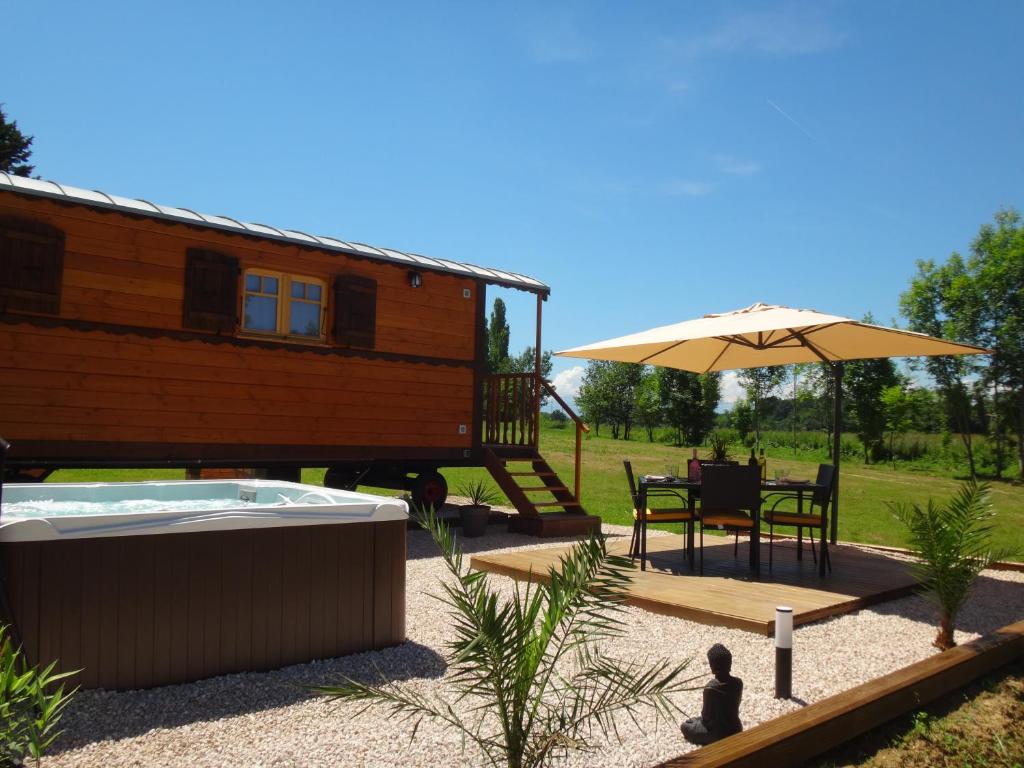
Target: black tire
pixel 429 489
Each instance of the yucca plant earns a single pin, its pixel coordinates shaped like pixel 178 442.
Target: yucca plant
pixel 479 493
pixel 953 544
pixel 32 701
pixel 719 447
pixel 527 672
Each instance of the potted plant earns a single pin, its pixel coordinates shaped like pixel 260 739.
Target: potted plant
pixel 475 515
pixel 719 449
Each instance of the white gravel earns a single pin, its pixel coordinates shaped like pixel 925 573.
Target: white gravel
pixel 268 720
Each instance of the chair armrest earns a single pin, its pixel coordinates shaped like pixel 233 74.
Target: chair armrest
pixel 655 493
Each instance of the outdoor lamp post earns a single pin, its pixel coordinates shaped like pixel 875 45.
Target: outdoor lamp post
pixel 783 652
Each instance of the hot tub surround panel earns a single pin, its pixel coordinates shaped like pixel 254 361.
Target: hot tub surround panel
pixel 139 611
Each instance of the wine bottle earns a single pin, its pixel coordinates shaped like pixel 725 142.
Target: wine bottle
pixel 752 461
pixel 763 464
pixel 693 468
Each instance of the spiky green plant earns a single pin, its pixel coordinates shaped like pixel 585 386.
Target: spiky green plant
pixel 953 544
pixel 32 701
pixel 719 447
pixel 479 493
pixel 527 672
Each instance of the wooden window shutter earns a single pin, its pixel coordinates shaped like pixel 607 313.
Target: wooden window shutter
pixel 31 266
pixel 211 291
pixel 355 311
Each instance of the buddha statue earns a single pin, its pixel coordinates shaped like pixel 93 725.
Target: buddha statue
pixel 720 715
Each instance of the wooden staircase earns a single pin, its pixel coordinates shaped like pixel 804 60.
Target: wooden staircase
pixel 547 506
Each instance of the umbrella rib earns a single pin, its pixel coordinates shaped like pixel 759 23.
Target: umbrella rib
pixel 669 348
pixel 803 340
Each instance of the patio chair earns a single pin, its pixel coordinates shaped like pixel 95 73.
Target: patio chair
pixel 681 514
pixel 730 497
pixel 815 518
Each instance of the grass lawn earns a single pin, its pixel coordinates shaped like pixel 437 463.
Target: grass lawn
pixel 864 490
pixel 981 725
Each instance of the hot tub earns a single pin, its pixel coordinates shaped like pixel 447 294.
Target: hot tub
pixel 143 584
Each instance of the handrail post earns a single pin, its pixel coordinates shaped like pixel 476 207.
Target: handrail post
pixel 579 461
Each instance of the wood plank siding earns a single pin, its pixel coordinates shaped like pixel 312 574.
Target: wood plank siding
pixel 138 611
pixel 117 365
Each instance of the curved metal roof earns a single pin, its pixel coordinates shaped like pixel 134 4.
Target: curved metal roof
pixel 96 199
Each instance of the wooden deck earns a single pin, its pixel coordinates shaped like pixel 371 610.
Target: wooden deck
pixel 727 595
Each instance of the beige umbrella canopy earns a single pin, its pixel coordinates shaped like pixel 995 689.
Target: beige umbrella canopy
pixel 762 335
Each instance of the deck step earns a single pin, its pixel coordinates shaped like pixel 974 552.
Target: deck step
pixel 532 474
pixel 557 504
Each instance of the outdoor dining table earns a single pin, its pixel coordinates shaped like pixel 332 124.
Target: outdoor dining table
pixel 794 489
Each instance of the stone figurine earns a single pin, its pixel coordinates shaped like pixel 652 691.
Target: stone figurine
pixel 720 715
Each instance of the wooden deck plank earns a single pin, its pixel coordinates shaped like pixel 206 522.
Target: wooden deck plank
pixel 727 595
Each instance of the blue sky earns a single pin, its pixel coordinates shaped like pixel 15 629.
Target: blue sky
pixel 650 161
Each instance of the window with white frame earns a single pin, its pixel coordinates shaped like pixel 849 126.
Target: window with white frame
pixel 285 305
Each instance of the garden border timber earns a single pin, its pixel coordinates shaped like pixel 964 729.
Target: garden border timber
pixel 798 736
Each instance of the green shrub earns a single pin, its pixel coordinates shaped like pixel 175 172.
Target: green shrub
pixel 953 545
pixel 31 703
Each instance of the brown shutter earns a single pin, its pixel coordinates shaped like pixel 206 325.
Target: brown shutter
pixel 355 311
pixel 31 266
pixel 211 291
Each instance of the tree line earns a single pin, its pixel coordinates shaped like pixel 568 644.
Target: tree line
pixel 977 300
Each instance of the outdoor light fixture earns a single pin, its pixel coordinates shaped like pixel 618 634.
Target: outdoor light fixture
pixel 415 279
pixel 783 652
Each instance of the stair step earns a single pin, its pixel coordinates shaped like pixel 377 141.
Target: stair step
pixel 557 504
pixel 552 488
pixel 532 474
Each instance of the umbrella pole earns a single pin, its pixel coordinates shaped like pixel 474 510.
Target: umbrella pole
pixel 837 433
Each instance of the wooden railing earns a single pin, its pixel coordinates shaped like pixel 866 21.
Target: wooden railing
pixel 512 414
pixel 580 429
pixel 511 410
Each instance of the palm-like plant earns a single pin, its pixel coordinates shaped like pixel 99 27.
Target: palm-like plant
pixel 953 545
pixel 526 670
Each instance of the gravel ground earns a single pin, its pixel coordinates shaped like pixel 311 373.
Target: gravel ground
pixel 267 719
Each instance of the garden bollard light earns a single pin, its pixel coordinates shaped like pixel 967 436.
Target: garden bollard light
pixel 783 652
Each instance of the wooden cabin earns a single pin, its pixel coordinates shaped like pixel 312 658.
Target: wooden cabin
pixel 134 334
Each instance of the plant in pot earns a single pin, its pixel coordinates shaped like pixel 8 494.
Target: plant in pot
pixel 719 449
pixel 475 515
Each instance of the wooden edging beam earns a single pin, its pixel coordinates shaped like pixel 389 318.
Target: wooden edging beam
pixel 801 735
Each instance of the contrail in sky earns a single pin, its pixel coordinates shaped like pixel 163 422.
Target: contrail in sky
pixel 782 112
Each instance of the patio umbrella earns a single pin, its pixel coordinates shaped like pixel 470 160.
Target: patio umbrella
pixel 764 335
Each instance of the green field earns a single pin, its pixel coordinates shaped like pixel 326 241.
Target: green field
pixel 864 491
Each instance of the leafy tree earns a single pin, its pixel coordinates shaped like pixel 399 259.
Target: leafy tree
pixel 497 332
pixel 741 418
pixel 991 305
pixel 897 405
pixel 527 669
pixel 865 382
pixel 15 148
pixel 595 395
pixel 927 304
pixel 820 380
pixel 953 545
pixel 688 403
pixel 981 300
pixel 759 384
pixel 647 408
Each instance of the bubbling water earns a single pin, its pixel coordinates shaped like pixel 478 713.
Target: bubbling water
pixel 54 508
